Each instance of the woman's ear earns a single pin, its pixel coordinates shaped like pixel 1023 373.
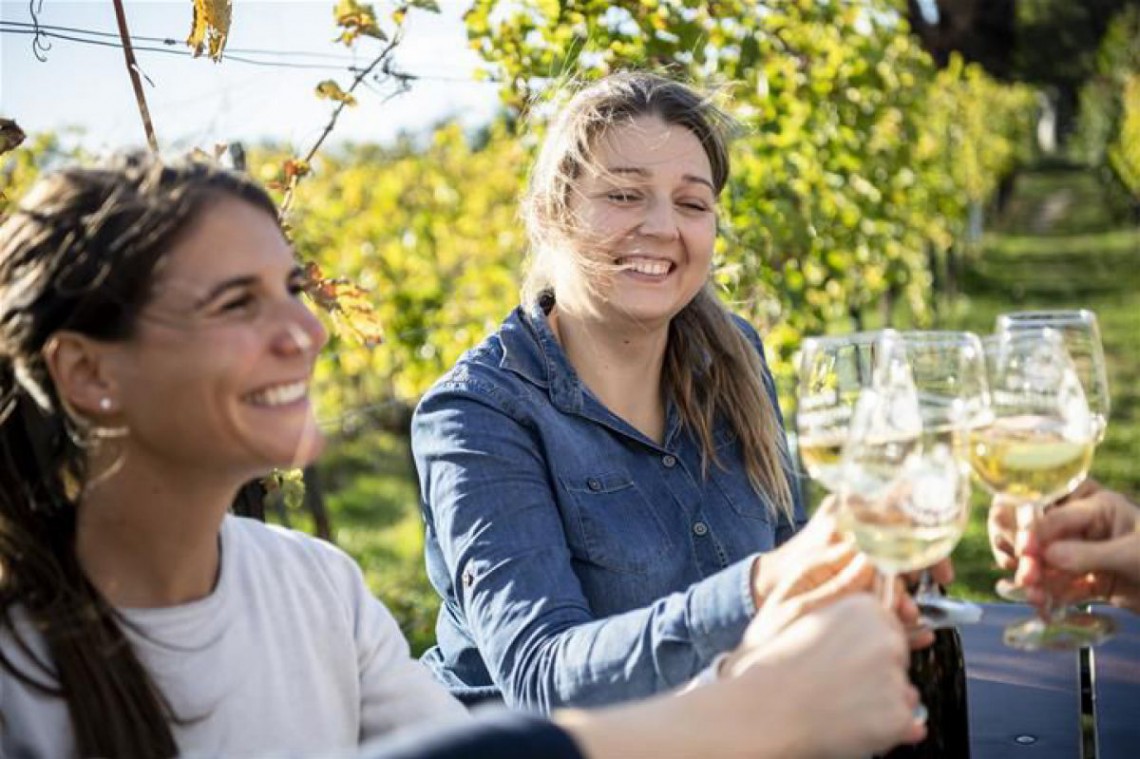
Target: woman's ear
pixel 80 368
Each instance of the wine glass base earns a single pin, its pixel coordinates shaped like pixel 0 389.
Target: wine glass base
pixel 1076 629
pixel 1007 590
pixel 937 612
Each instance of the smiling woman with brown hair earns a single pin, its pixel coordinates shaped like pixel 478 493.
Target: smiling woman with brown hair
pixel 155 355
pixel 605 479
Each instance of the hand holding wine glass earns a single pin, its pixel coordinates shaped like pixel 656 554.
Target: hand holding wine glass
pixel 1037 450
pixel 1080 334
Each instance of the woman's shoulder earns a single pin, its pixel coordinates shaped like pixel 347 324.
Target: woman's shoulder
pixel 263 552
pixel 496 369
pixel 746 328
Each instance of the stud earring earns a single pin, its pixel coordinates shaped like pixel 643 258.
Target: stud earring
pixel 104 404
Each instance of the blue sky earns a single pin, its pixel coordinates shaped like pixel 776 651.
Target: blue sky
pixel 195 102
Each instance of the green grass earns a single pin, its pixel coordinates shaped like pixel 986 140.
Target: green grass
pixel 1077 259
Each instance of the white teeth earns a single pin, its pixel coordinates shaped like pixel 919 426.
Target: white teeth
pixel 279 395
pixel 651 266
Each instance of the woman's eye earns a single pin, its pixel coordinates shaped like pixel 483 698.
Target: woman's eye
pixel 623 196
pixel 240 303
pixel 694 205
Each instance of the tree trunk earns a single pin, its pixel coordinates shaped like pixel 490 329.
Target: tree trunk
pixel 315 503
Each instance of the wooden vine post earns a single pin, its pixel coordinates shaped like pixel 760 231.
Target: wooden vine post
pixel 133 72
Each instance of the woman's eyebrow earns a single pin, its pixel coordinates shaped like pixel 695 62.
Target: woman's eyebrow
pixel 645 173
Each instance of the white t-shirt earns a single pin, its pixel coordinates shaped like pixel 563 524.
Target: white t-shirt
pixel 289 654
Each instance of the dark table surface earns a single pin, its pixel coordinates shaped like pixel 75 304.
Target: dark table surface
pixel 1025 704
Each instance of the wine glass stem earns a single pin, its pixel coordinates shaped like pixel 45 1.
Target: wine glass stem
pixel 925 584
pixel 886 588
pixel 1028 514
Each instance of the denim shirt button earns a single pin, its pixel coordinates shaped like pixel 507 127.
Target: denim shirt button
pixel 593 484
pixel 669 460
pixel 700 528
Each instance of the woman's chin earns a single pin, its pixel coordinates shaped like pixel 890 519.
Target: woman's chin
pixel 293 451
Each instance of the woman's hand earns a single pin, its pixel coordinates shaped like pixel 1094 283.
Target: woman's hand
pixel 1002 529
pixel 842 674
pixel 798 577
pixel 1089 546
pixel 829 683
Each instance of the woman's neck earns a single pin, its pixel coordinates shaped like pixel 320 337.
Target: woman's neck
pixel 620 364
pixel 148 538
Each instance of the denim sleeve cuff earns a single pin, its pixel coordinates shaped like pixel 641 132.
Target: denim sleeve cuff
pixel 720 609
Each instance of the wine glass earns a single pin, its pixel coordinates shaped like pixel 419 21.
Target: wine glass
pixel 1081 335
pixel 949 373
pixel 903 502
pixel 833 370
pixel 1038 449
pixel 898 500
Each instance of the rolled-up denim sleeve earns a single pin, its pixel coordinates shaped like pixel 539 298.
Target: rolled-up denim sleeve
pixel 491 503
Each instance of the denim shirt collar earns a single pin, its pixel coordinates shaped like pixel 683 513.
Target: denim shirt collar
pixel 531 351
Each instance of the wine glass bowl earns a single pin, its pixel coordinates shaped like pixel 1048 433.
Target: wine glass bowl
pixel 949 374
pixel 1080 334
pixel 833 370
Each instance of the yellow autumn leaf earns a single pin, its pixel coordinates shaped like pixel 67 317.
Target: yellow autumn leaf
pixel 330 90
pixel 356 19
pixel 348 304
pixel 210 27
pixel 295 167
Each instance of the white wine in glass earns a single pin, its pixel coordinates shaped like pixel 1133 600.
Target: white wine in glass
pixel 833 370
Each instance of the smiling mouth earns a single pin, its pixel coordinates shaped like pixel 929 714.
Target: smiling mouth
pixel 278 395
pixel 653 267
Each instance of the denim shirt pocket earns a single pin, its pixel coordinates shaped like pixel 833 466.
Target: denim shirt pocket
pixel 612 525
pixel 732 480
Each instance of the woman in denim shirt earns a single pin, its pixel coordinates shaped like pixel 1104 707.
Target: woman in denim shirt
pixel 601 476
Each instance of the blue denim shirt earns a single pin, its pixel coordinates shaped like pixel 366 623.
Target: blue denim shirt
pixel 579 562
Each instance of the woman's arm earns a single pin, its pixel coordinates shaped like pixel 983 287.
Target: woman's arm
pixel 841 667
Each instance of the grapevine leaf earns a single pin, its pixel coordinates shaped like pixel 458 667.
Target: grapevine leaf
pixel 350 306
pixel 210 27
pixel 355 20
pixel 330 90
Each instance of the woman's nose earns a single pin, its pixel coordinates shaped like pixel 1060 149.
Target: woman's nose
pixel 659 221
pixel 301 332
